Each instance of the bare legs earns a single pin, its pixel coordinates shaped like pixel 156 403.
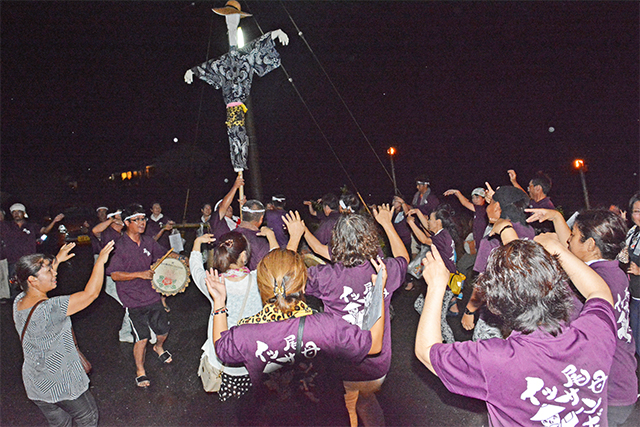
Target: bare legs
pixel 139 353
pixel 360 399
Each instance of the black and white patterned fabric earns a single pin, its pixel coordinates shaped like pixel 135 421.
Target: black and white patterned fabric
pixel 233 73
pixel 238 145
pixel 52 370
pixel 233 386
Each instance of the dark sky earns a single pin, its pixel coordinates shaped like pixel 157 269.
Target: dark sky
pixel 464 90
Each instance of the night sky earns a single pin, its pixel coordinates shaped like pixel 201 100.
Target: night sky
pixel 463 90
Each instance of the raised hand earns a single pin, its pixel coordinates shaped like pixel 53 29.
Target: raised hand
pixel 489 193
pixel 216 287
pixel 295 225
pixel 64 254
pixel 383 214
pixel 103 257
pixel 435 273
pixel 541 215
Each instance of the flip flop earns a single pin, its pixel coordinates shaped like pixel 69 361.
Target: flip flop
pixel 143 381
pixel 452 313
pixel 164 357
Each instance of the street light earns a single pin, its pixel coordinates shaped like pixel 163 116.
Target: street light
pixel 391 152
pixel 580 166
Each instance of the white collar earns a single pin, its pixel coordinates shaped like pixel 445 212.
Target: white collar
pixel 156 218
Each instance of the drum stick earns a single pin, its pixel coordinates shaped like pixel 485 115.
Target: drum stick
pixel 241 194
pixel 161 259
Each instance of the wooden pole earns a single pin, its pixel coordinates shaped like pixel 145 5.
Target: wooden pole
pixel 241 193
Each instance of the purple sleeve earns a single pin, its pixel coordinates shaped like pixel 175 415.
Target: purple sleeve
pixel 312 282
pixel 226 349
pixel 486 246
pixel 397 271
pixel 460 368
pixel 116 262
pixel 595 312
pixel 351 343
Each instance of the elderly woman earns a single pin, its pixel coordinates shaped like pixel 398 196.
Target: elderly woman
pixel 52 372
pixel 275 336
pixel 597 238
pixel 243 299
pixel 547 370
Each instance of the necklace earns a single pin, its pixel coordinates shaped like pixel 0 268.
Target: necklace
pixel 236 272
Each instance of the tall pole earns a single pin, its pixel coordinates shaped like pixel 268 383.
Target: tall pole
pixel 254 158
pixel 581 167
pixel 391 151
pixel 584 189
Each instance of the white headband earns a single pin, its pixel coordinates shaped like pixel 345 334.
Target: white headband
pixel 422 182
pixel 345 207
pixel 278 199
pixel 246 209
pixel 134 215
pixel 102 207
pixel 112 214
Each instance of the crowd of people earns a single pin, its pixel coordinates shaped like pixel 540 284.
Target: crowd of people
pixel 553 303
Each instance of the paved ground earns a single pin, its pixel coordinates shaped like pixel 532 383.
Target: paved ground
pixel 410 396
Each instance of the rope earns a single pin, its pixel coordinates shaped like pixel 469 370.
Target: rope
pixel 301 35
pixel 324 136
pixel 197 130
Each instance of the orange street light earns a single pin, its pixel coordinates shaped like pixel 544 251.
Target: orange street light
pixel 391 151
pixel 578 164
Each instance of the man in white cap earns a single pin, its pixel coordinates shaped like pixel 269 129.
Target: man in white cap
pixel 20 237
pixel 478 206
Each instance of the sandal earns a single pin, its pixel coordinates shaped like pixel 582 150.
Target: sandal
pixel 143 381
pixel 164 357
pixel 450 313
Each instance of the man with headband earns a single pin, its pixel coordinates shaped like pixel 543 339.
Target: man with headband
pixel 130 268
pixel 273 218
pixel 20 237
pixel 261 240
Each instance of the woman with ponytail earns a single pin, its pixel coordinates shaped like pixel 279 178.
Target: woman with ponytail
pixel 243 299
pixel 286 330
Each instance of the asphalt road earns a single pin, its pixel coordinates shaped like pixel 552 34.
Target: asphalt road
pixel 411 395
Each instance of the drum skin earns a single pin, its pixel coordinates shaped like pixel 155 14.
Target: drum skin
pixel 171 277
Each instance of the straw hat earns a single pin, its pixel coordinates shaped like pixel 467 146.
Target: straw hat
pixel 231 8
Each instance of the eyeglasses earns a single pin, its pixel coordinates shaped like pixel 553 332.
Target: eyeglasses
pixel 141 219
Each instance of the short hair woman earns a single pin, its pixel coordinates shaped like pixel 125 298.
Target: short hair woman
pixel 53 376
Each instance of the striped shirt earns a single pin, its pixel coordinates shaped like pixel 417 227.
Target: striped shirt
pixel 51 371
